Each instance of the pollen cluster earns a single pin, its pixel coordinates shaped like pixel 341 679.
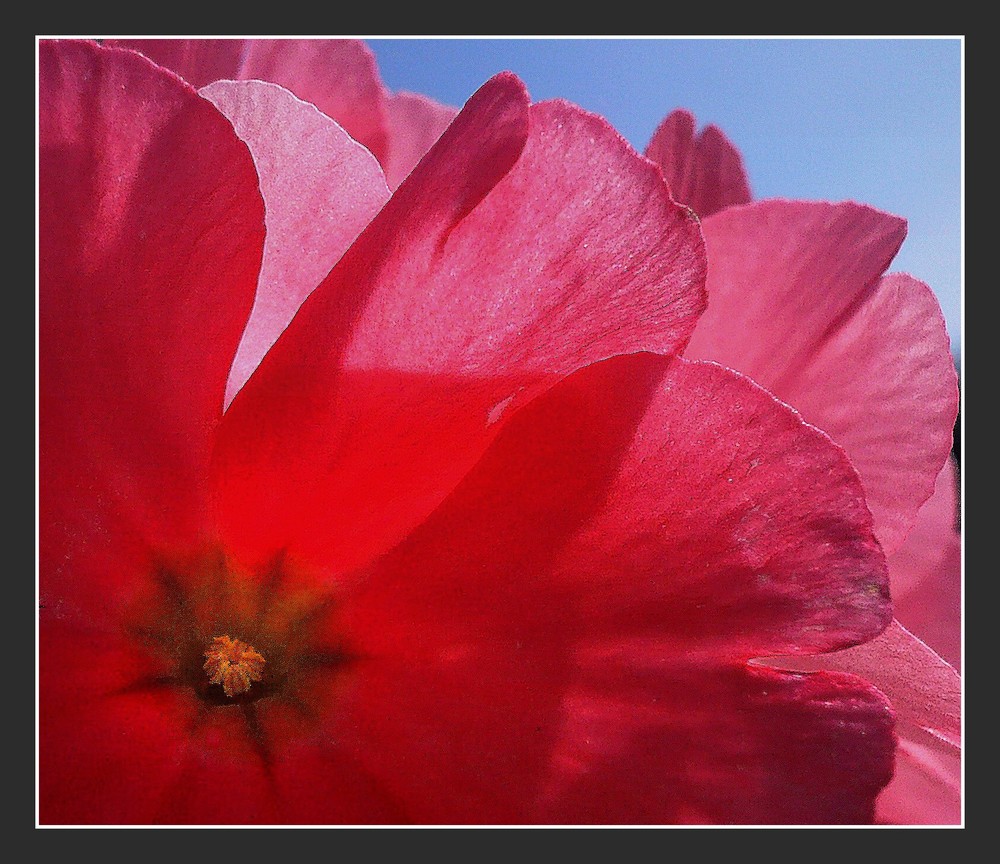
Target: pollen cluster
pixel 233 664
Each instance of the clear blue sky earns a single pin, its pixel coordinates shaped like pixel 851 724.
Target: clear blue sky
pixel 873 120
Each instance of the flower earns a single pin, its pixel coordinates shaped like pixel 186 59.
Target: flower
pixel 896 435
pixel 503 554
pixel 800 302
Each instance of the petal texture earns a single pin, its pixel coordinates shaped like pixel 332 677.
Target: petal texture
pixel 926 788
pixel 798 302
pixel 720 747
pixel 107 748
pixel 415 123
pixel 925 573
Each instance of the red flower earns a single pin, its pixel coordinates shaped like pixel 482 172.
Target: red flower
pixel 504 556
pixel 800 302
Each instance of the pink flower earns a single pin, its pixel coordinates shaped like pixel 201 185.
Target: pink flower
pixel 472 543
pixel 800 302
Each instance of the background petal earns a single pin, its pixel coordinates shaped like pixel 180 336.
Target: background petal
pixel 797 301
pixel 704 171
pixel 926 788
pixel 925 573
pixel 925 691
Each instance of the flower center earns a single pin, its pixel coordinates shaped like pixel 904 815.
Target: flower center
pixel 234 664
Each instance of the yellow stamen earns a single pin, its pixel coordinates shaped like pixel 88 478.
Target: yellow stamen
pixel 233 664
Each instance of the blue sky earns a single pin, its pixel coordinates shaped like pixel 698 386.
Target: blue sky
pixel 873 120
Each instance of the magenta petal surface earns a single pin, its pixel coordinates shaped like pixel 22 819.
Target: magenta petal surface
pixel 320 188
pixel 798 301
pixel 926 695
pixel 704 170
pixel 415 123
pixel 491 272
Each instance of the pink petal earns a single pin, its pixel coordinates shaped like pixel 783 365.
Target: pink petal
pixel 925 573
pixel 926 788
pixel 338 76
pixel 491 272
pixel 415 123
pixel 151 230
pixel 704 171
pixel 320 188
pixel 797 302
pixel 644 524
pixel 926 692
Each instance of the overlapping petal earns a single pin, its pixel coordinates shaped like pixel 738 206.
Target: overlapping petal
pixel 320 190
pixel 926 788
pixel 743 746
pixel 415 123
pixel 798 302
pixel 338 76
pixel 449 312
pixel 151 234
pixel 926 695
pixel 563 569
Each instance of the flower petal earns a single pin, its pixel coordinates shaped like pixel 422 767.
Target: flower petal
pixel 151 230
pixel 415 123
pixel 107 745
pixel 450 311
pixel 338 76
pixel 925 573
pixel 704 171
pixel 721 746
pixel 925 691
pixel 926 694
pixel 197 61
pixel 704 512
pixel 797 302
pixel 926 788
pixel 320 188
pixel 601 532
